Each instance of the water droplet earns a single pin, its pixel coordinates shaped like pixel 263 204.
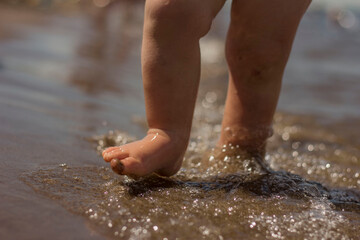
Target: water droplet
pixel 285 136
pixel 310 148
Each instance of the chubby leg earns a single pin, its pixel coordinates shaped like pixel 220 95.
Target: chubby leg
pixel 258 45
pixel 171 72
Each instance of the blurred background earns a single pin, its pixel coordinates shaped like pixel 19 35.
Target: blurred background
pixel 83 56
pixel 94 47
pixel 71 69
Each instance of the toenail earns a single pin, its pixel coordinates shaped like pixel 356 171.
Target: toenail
pixel 117 166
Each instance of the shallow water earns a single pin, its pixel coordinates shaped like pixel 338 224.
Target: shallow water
pixel 222 193
pixel 55 115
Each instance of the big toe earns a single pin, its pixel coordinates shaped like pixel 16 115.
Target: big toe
pixel 117 166
pixel 129 166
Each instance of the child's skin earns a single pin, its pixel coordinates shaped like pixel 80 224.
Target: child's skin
pixel 258 45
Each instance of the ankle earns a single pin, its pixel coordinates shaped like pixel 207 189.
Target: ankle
pixel 249 149
pixel 252 140
pixel 179 136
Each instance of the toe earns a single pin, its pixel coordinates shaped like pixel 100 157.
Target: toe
pixel 109 149
pixel 118 152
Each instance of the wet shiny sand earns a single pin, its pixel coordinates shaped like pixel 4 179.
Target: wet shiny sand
pixel 68 77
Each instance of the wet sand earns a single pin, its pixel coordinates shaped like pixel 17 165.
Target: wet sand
pixel 66 77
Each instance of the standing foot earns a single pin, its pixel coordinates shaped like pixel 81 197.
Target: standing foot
pixel 249 144
pixel 159 151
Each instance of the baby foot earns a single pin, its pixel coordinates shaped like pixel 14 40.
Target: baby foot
pixel 159 151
